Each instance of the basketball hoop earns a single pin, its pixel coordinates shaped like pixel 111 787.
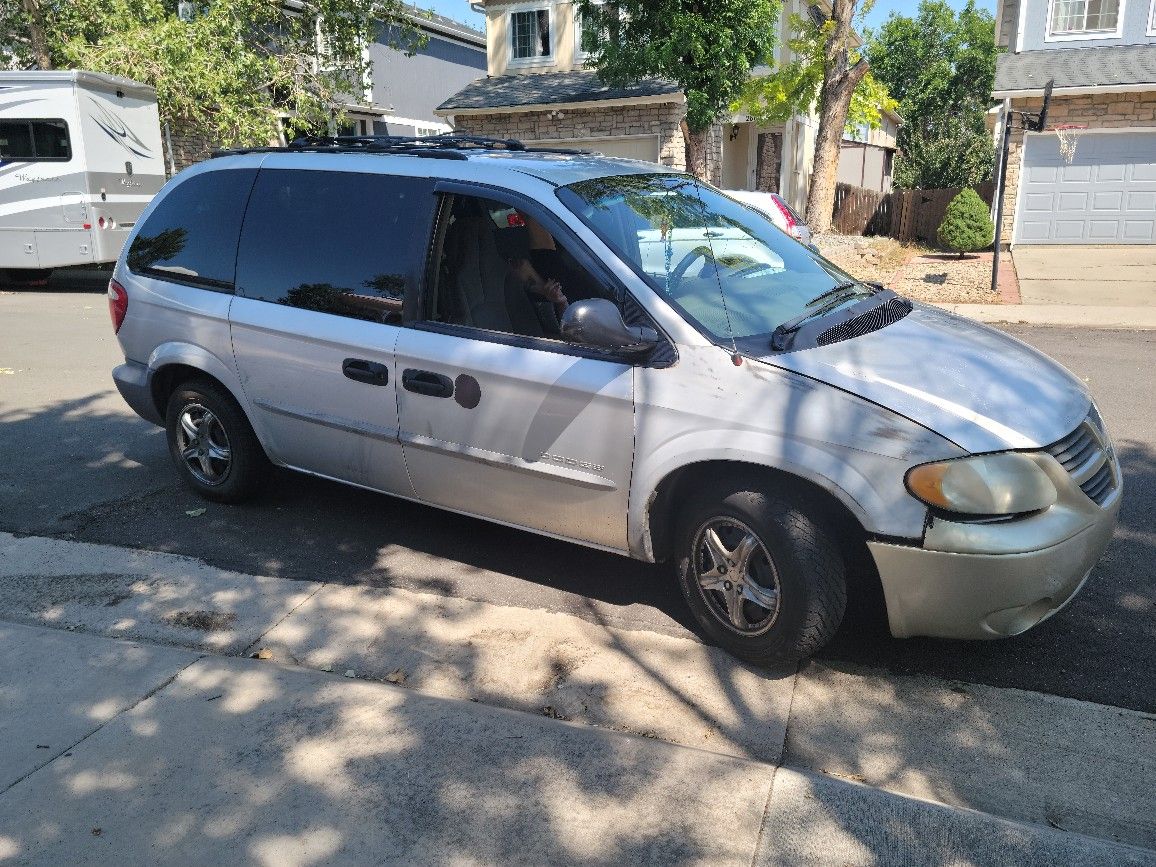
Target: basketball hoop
pixel 1068 136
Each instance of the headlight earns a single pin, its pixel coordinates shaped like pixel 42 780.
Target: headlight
pixel 1004 484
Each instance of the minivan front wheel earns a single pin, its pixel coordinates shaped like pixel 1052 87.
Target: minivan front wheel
pixel 763 578
pixel 212 444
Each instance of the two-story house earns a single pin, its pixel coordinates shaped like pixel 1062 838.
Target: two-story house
pixel 538 90
pixel 1101 55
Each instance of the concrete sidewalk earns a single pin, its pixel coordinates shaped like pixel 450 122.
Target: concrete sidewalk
pixel 120 721
pixel 1060 315
pixel 125 753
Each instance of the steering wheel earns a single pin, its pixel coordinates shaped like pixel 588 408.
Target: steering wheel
pixel 679 272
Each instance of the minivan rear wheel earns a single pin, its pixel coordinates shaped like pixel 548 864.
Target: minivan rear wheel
pixel 763 578
pixel 212 443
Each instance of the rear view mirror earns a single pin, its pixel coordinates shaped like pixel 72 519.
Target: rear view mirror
pixel 597 322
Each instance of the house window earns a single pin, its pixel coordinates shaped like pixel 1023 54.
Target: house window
pixel 1152 19
pixel 590 35
pixel 530 32
pixel 1084 16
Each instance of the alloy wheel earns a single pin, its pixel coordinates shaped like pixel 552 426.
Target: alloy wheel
pixel 203 444
pixel 736 576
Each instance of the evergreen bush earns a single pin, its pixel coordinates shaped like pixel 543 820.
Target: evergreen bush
pixel 966 225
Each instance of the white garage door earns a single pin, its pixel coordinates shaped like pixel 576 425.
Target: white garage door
pixel 639 147
pixel 1106 196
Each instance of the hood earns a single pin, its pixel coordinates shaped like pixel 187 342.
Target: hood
pixel 974 385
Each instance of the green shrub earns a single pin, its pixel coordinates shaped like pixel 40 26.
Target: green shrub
pixel 966 225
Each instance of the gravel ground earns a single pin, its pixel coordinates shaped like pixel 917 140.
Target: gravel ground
pixel 912 269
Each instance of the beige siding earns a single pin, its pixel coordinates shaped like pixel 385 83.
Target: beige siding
pixel 563 37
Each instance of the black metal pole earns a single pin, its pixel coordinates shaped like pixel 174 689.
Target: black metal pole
pixel 1007 124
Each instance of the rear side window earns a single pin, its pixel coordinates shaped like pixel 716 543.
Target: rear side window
pixel 35 141
pixel 191 237
pixel 338 242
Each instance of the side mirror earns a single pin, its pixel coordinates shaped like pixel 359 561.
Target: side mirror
pixel 596 322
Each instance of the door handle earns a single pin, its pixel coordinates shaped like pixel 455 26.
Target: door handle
pixel 427 382
pixel 369 372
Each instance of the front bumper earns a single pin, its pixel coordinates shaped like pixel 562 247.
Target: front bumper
pixel 996 580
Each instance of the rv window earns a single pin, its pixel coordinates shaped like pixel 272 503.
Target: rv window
pixel 34 140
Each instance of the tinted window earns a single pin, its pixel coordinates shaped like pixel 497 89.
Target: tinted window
pixel 34 140
pixel 338 242
pixel 191 237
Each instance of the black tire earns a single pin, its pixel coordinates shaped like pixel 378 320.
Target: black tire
pixel 221 423
pixel 798 568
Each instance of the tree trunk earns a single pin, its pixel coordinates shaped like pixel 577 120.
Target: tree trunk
pixel 840 79
pixel 36 33
pixel 696 151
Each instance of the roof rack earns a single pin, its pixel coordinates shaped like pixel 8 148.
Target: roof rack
pixel 444 146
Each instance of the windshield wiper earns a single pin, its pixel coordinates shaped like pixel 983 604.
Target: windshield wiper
pixel 835 296
pixel 845 289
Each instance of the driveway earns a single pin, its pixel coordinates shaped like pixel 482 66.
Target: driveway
pixel 1114 276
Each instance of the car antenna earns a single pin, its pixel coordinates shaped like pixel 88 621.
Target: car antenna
pixel 736 357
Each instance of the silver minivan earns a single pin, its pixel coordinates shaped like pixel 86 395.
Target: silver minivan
pixel 615 354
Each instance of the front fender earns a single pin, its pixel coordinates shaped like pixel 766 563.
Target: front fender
pixel 710 410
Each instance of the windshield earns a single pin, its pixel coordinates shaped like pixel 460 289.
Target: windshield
pixel 724 265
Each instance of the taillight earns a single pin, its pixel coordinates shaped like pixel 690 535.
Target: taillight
pixel 792 227
pixel 117 304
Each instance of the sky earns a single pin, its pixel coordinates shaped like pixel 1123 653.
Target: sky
pixel 459 10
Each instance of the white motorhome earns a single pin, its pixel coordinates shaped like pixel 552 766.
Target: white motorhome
pixel 80 157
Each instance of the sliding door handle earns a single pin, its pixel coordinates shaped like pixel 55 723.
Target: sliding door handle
pixel 428 383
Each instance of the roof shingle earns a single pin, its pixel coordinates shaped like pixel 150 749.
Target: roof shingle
pixel 549 88
pixel 1102 66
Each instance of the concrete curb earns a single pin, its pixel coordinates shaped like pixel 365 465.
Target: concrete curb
pixel 1060 315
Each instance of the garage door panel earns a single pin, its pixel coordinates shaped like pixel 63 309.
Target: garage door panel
pixel 1076 174
pixel 1140 201
pixel 1069 230
pixel 1040 174
pixel 1075 201
pixel 1139 231
pixel 1112 174
pixel 1106 196
pixel 1107 201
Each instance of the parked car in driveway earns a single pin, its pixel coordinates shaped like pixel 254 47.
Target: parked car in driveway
pixel 613 354
pixel 775 208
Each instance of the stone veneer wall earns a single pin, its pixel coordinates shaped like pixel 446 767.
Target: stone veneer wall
pixel 187 149
pixel 661 119
pixel 1098 111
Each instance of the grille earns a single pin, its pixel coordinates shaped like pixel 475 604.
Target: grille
pixel 1083 455
pixel 872 320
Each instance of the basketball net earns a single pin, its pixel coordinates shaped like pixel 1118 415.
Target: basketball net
pixel 1068 136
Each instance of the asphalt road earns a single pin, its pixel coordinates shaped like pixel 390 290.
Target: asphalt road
pixel 76 463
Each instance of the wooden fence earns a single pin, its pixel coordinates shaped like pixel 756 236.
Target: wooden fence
pixel 906 215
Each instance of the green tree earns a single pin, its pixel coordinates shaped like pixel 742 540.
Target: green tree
pixel 231 72
pixel 826 68
pixel 707 48
pixel 952 155
pixel 967 224
pixel 940 65
pixel 794 87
